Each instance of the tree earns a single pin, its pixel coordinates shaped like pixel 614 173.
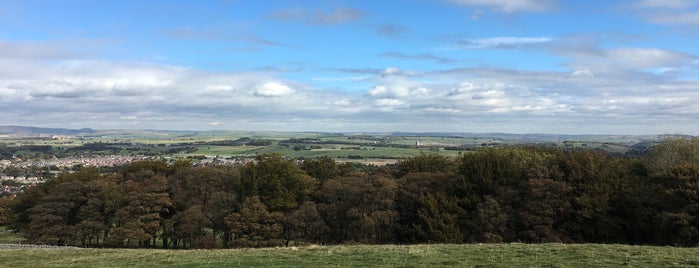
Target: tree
pixel 429 163
pixel 254 225
pixel 220 204
pixel 547 205
pixel 56 213
pixel 278 182
pixel 439 216
pixel 146 204
pixel 323 169
pixel 359 208
pixel 673 152
pixel 481 173
pixel 304 225
pixel 53 220
pixel 412 188
pixel 189 226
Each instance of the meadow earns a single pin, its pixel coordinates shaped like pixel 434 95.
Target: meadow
pixel 437 255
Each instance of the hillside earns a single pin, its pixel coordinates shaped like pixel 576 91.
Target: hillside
pixel 25 131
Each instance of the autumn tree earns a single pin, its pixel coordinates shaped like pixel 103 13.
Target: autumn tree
pixel 304 225
pixel 254 225
pixel 359 208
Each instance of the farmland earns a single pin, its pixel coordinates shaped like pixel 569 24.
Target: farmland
pixel 356 147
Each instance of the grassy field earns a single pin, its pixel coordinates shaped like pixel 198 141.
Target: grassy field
pixel 473 255
pixel 8 237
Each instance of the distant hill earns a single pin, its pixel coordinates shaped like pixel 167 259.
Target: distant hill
pixel 37 131
pixel 524 138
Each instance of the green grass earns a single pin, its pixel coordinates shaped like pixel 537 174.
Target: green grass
pixel 473 255
pixel 8 237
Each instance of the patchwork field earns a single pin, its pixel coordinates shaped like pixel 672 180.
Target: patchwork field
pixel 355 147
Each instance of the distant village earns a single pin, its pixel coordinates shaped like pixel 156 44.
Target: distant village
pixel 23 178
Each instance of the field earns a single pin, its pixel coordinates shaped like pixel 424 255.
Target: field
pixel 472 255
pixel 357 147
pixel 8 237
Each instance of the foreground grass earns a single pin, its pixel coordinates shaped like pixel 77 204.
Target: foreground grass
pixel 8 237
pixel 487 255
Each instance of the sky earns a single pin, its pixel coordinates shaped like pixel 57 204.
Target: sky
pixel 512 66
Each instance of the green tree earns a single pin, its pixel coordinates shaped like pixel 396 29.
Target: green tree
pixel 439 219
pixel 278 182
pixel 429 163
pixel 323 169
pixel 412 188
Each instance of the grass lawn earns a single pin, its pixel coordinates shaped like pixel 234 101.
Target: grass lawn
pixel 471 255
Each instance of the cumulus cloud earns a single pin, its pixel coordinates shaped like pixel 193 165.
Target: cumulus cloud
pixel 509 6
pixel 391 71
pixel 319 17
pixel 273 89
pixel 386 102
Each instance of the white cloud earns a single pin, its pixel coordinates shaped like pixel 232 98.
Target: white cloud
pixel 509 6
pixel 608 90
pixel 388 102
pixel 391 71
pixel 273 89
pixel 649 57
pixel 379 90
pixel 502 42
pixel 342 102
pixel 583 73
pixel 669 12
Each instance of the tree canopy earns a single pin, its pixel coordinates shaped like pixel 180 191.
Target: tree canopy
pixel 491 195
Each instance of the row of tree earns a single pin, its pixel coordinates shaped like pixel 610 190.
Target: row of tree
pixel 491 195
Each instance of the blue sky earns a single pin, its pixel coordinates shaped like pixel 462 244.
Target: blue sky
pixel 516 66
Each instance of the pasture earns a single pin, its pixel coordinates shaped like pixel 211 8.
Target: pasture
pixel 468 255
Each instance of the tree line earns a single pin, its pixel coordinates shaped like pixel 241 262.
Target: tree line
pixel 491 195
